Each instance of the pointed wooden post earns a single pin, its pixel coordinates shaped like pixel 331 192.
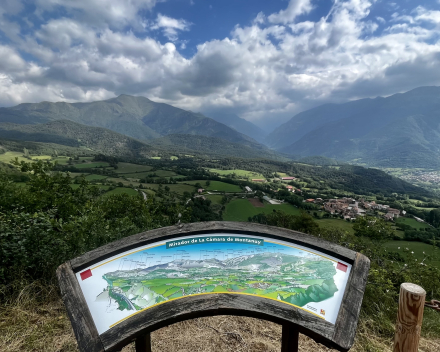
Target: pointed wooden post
pixel 409 318
pixel 289 338
pixel 143 343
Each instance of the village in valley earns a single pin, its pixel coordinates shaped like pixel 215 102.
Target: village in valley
pixel 346 208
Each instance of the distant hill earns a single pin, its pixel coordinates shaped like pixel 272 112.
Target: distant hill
pixel 319 161
pixel 71 134
pixel 136 117
pixel 402 130
pixel 240 125
pixel 214 146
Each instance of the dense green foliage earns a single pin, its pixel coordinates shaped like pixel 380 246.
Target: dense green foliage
pixel 388 270
pixel 49 222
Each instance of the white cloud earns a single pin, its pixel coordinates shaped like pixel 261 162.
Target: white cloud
pixel 115 13
pixel 170 26
pixel 294 9
pixel 266 71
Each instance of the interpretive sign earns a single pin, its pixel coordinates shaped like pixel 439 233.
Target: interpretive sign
pixel 276 274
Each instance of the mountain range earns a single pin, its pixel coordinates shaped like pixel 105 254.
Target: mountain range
pixel 253 262
pixel 136 117
pixel 214 146
pixel 241 125
pixel 402 130
pixel 72 134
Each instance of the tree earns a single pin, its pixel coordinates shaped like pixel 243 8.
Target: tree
pixel 376 229
pixel 434 217
pixel 207 183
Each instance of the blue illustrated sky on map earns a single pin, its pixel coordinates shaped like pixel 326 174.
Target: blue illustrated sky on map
pixel 221 251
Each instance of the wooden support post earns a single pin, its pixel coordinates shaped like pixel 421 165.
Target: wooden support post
pixel 289 338
pixel 409 318
pixel 143 343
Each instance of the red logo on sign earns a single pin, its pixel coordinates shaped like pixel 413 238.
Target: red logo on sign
pixel 86 274
pixel 342 267
pixel 322 311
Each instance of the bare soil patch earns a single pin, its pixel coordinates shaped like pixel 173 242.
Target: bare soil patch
pixel 256 203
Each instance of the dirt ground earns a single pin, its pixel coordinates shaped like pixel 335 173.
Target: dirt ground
pixel 256 203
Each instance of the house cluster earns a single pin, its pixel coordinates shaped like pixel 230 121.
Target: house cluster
pixel 313 200
pixel 347 207
pixel 350 208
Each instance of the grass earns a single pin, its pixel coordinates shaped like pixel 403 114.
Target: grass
pixel 9 156
pixel 242 209
pixel 156 157
pixel 238 173
pixel 172 157
pixel 41 157
pixel 91 165
pixel 218 186
pixel 418 248
pixel 338 223
pixel 215 198
pixel 36 320
pixel 126 168
pixel 124 182
pixel 137 175
pixel 178 187
pixel 122 190
pixel 62 160
pixel 95 177
pixel 164 173
pixel 412 222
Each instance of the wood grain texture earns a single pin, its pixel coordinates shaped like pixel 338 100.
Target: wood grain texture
pixel 140 325
pixel 247 228
pixel 289 339
pixel 217 304
pixel 82 322
pixel 409 318
pixel 346 324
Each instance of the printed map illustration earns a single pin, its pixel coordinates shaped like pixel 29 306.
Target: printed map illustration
pixel 224 263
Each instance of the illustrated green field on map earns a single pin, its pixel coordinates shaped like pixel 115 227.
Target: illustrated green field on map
pixel 215 264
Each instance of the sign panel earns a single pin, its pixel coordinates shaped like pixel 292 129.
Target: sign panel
pixel 124 285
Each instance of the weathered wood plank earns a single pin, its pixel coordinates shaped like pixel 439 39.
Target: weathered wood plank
pixel 79 314
pixel 217 304
pixel 409 318
pixel 339 336
pixel 165 233
pixel 346 324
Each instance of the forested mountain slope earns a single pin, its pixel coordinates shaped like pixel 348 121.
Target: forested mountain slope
pixel 241 125
pixel 137 117
pixel 214 146
pixel 398 131
pixel 68 133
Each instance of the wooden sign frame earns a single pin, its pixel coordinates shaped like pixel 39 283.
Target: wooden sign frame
pixel 294 320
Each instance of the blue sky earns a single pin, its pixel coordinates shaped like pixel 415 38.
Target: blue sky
pixel 221 251
pixel 263 60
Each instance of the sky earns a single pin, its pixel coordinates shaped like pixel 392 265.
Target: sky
pixel 262 60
